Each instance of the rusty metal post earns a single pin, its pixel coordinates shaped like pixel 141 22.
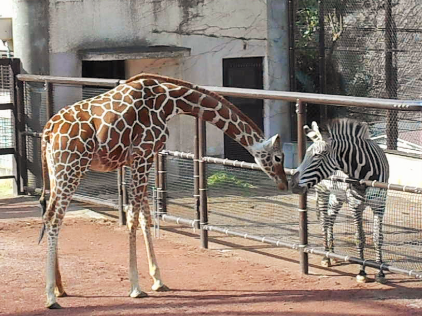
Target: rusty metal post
pixel 196 174
pixel 303 213
pixel 203 203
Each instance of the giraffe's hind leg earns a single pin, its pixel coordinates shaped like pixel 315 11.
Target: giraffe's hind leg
pixel 59 291
pixel 140 167
pixel 154 270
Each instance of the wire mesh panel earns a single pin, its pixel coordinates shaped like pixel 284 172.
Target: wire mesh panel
pixel 6 84
pixel 7 125
pixel 180 188
pixel 247 201
pixel 401 228
pixel 35 107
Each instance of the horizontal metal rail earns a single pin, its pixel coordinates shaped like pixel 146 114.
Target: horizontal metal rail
pixel 70 80
pixel 221 161
pixel 6 106
pixel 283 244
pixel 388 104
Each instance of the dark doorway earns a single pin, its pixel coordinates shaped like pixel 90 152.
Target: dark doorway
pixel 110 69
pixel 243 73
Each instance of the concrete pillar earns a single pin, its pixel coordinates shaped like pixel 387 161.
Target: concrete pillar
pixel 31 45
pixel 277 113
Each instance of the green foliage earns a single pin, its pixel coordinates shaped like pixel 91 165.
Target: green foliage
pixel 222 178
pixel 307 22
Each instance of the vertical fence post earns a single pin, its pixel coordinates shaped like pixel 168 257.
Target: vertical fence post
pixel 162 191
pixel 196 174
pixel 49 99
pixel 21 137
pixel 121 185
pixel 321 62
pixel 303 214
pixel 390 75
pixel 203 184
pixel 156 186
pixel 17 187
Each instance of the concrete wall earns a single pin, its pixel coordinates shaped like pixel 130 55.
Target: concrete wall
pixel 213 30
pixel 405 170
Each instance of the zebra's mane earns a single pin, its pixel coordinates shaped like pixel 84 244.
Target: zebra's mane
pixel 339 128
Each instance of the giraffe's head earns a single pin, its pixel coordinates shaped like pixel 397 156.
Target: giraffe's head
pixel 269 156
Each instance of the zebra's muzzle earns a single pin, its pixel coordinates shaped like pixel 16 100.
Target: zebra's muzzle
pixel 294 183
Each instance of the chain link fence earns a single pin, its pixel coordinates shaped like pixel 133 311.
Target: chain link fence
pixel 364 49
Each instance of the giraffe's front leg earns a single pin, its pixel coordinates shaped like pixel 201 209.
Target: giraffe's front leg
pixel 132 223
pixel 154 270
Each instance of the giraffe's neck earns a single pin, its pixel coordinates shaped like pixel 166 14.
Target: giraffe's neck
pixel 177 97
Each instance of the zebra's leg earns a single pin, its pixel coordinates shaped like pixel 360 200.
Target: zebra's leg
pixel 322 208
pixel 334 207
pixel 378 241
pixel 360 241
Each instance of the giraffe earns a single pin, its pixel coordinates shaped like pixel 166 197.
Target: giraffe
pixel 128 126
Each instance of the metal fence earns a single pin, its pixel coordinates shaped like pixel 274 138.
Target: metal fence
pixel 244 202
pixel 241 201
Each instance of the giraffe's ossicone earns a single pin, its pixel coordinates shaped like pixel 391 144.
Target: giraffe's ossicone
pixel 127 126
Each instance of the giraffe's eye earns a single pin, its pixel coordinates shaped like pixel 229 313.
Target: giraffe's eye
pixel 277 158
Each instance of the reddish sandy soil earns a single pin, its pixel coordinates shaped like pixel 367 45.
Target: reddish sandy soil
pixel 218 281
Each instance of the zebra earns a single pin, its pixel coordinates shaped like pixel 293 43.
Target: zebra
pixel 346 146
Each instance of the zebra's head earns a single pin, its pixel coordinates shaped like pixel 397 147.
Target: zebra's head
pixel 318 164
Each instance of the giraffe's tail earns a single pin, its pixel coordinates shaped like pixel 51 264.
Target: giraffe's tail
pixel 43 200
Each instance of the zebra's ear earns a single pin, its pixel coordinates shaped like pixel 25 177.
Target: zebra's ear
pixel 313 133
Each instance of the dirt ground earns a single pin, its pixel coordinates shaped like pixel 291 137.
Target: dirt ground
pixel 219 281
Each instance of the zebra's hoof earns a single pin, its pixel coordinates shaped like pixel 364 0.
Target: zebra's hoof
pixel 380 279
pixel 326 263
pixel 361 278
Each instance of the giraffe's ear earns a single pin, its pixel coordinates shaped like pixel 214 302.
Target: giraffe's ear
pixel 272 143
pixel 275 142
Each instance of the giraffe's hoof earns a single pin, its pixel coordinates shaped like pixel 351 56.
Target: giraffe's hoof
pixel 326 263
pixel 54 306
pixel 138 294
pixel 361 278
pixel 380 279
pixel 60 293
pixel 161 288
